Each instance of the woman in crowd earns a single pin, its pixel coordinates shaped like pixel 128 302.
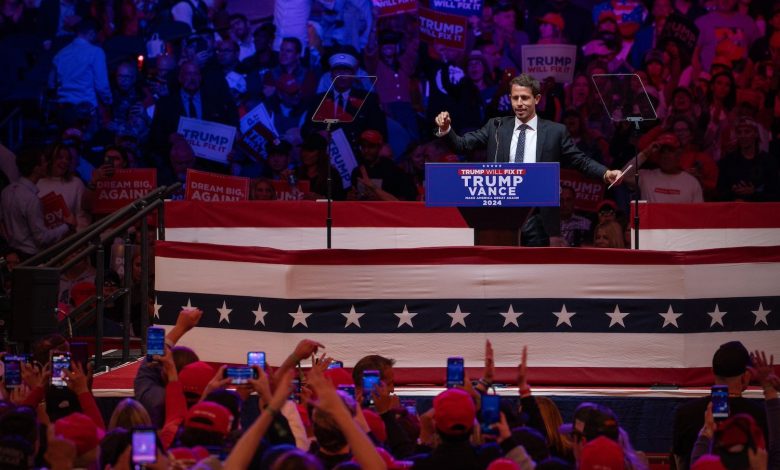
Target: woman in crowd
pixel 61 179
pixel 608 235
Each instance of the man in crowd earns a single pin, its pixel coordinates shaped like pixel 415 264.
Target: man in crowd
pixel 22 213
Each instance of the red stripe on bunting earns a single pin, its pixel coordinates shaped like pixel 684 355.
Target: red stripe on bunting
pixel 710 215
pixel 184 214
pixel 465 255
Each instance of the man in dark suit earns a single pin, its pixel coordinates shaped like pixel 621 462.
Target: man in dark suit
pixel 525 138
pixel 207 103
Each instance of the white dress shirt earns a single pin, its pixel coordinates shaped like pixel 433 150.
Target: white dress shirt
pixel 530 140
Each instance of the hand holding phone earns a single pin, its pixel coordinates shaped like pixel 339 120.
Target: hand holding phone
pixel 489 413
pixel 12 370
pixel 370 384
pixel 719 395
pixel 456 373
pixel 238 375
pixel 144 445
pixel 155 342
pixel 60 366
pixel 256 358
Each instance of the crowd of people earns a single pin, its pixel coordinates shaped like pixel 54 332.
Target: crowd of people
pixel 326 417
pixel 102 86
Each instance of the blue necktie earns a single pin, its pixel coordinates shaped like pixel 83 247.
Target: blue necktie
pixel 520 150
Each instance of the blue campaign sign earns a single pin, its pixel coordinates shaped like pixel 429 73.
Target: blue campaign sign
pixel 492 184
pixel 457 7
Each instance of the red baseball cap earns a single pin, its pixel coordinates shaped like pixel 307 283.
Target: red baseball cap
pixel 602 453
pixel 708 462
pixel 503 464
pixel 339 376
pixel 454 411
pixel 554 19
pixel 372 137
pixel 195 377
pixel 80 430
pixel 209 416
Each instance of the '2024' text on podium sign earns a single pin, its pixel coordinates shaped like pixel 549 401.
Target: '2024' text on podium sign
pixel 492 184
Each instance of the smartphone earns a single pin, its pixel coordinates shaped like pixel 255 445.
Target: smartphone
pixel 336 365
pixel 256 358
pixel 370 383
pixel 155 342
pixel 238 375
pixel 348 389
pixel 489 413
pixel 80 354
pixel 455 372
pixel 12 366
pixel 720 401
pixel 410 404
pixel 295 395
pixel 144 443
pixel 60 365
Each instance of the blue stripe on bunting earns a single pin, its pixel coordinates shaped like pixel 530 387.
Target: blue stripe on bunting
pixel 484 315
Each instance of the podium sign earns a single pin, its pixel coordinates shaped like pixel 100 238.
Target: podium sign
pixel 492 184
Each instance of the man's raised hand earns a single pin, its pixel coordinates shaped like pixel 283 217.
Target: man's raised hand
pixel 443 122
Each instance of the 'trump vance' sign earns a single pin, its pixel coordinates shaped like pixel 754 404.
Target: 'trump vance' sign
pixel 209 140
pixel 550 60
pixel 492 184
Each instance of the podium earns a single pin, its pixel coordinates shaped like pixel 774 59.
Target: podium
pixel 494 199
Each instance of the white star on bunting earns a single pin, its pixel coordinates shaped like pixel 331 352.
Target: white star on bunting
pixel 189 304
pixel 616 317
pixel 458 317
pixel 670 318
pixel 717 316
pixel 260 314
pixel 224 313
pixel 300 317
pixel 353 317
pixel 510 316
pixel 405 317
pixel 157 308
pixel 564 316
pixel 761 314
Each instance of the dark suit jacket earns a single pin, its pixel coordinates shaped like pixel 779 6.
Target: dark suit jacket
pixel 553 144
pixel 370 116
pixel 216 107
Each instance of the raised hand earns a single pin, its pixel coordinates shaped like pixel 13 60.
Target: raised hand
pixel 443 121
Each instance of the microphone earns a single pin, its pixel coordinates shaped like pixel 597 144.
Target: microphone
pixel 497 122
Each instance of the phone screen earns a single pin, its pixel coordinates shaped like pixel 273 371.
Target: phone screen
pixel 239 375
pixel 155 342
pixel 720 401
pixel 489 413
pixel 295 395
pixel 256 358
pixel 336 365
pixel 80 354
pixel 348 389
pixel 370 383
pixel 144 446
pixel 13 370
pixel 60 364
pixel 455 372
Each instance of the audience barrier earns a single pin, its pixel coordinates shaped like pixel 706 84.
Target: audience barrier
pixel 685 227
pixel 300 225
pixel 589 316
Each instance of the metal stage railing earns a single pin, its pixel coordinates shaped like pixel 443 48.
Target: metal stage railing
pixel 72 250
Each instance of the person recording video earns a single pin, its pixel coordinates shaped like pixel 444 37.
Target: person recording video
pixel 525 138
